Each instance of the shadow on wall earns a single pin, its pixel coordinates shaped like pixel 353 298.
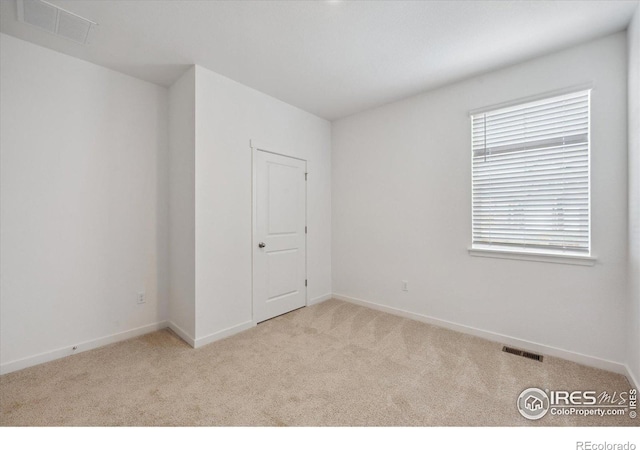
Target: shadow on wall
pixel 170 72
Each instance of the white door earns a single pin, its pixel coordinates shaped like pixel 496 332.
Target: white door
pixel 279 241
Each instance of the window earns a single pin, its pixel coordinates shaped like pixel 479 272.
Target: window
pixel 530 177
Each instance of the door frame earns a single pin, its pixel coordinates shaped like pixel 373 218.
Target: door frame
pixel 255 147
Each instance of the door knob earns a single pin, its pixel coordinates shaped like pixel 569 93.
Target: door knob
pixel 262 245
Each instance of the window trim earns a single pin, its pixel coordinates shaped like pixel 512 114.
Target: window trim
pixel 576 260
pixel 536 254
pixel 533 98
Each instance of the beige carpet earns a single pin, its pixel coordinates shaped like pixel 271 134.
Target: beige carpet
pixel 329 364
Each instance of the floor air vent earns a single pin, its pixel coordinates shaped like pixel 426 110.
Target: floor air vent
pixel 515 351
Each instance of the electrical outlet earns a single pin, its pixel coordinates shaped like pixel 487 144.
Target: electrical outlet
pixel 405 285
pixel 141 298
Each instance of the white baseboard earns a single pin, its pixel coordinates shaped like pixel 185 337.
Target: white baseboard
pixel 44 357
pixel 633 380
pixel 223 334
pixel 319 299
pixel 579 358
pixel 181 333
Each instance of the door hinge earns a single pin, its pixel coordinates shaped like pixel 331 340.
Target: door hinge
pixel 305 282
pixel 305 176
pixel 305 229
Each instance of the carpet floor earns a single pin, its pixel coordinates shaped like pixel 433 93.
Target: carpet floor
pixel 331 364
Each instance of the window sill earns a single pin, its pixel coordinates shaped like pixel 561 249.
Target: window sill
pixel 538 257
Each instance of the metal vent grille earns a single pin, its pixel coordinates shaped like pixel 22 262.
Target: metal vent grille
pixel 40 14
pixel 55 20
pixel 515 351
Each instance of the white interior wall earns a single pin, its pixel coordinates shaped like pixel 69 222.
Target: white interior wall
pixel 228 115
pixel 633 343
pixel 182 138
pixel 83 219
pixel 401 187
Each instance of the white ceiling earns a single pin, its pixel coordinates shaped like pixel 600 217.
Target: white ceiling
pixel 331 58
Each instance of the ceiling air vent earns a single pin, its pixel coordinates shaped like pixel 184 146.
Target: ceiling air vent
pixel 55 20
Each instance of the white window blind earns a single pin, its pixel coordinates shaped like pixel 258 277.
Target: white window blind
pixel 530 175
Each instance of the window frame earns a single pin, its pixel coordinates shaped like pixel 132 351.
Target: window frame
pixel 535 253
